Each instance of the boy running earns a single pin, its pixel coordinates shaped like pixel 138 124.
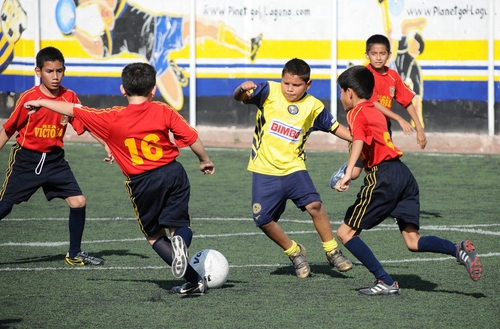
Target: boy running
pixel 286 116
pixel 389 188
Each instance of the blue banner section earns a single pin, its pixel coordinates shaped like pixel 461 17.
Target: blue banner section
pixel 433 90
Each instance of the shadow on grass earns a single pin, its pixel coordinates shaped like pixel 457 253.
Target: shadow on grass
pixel 8 323
pixel 55 258
pixel 167 286
pixel 411 281
pixel 430 214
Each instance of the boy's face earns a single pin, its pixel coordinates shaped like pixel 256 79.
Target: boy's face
pixel 346 99
pixel 293 87
pixel 378 56
pixel 51 75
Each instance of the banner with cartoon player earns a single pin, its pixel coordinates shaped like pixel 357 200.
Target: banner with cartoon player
pixel 440 47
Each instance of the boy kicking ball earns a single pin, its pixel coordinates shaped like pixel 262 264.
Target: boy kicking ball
pixel 389 188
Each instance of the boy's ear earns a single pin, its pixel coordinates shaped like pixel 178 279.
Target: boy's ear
pixel 122 90
pixel 366 56
pixel 38 72
pixel 308 84
pixel 153 91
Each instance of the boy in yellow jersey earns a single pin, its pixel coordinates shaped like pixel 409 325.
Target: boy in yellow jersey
pixel 286 116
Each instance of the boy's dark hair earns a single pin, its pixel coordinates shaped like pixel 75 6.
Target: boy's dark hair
pixel 378 39
pixel 48 54
pixel 138 79
pixel 359 79
pixel 298 67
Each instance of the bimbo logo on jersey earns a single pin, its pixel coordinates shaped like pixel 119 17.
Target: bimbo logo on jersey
pixel 285 131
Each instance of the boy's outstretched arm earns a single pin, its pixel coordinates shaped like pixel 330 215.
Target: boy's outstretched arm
pixel 421 140
pixel 342 132
pixel 405 125
pixel 62 107
pixel 206 166
pixel 242 92
pixel 344 183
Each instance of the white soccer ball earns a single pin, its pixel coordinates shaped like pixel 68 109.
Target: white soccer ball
pixel 212 265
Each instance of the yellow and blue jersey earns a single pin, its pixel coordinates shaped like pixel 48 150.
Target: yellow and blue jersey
pixel 282 129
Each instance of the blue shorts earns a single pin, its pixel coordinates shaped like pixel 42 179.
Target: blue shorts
pixel 160 198
pixel 389 190
pixel 270 194
pixel 29 170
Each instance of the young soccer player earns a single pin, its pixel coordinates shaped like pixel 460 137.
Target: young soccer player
pixel 138 136
pixel 286 116
pixel 388 86
pixel 389 188
pixel 37 158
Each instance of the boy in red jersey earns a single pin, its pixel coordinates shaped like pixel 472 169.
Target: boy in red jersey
pixel 37 158
pixel 138 136
pixel 286 116
pixel 388 86
pixel 389 188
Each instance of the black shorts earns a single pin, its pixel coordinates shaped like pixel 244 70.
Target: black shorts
pixel 389 190
pixel 160 198
pixel 28 170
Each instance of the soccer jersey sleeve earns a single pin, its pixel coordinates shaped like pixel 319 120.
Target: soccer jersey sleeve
pixel 259 95
pixel 404 95
pixel 325 122
pixel 184 134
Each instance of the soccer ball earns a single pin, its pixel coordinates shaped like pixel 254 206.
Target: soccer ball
pixel 212 265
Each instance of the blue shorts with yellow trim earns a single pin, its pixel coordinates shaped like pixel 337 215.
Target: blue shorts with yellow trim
pixel 270 194
pixel 389 190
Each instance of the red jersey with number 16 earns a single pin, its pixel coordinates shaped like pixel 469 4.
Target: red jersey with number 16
pixel 139 134
pixel 368 124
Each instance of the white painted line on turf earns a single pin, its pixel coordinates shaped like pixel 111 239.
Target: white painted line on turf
pixel 384 227
pixel 128 268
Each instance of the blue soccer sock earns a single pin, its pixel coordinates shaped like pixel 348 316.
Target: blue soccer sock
pixel 5 208
pixel 364 254
pixel 186 234
pixel 76 225
pixel 163 248
pixel 437 245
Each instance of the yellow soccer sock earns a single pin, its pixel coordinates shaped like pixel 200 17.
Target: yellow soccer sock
pixel 330 245
pixel 293 249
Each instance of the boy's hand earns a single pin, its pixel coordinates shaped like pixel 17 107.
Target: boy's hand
pixel 207 168
pixel 343 184
pixel 421 140
pixel 406 126
pixel 32 106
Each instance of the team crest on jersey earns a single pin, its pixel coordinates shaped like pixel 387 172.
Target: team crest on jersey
pixel 293 109
pixel 64 120
pixel 285 131
pixel 392 91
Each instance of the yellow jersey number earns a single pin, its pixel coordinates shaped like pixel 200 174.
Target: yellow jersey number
pixel 149 149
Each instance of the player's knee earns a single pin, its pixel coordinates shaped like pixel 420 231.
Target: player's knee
pixel 5 208
pixel 78 201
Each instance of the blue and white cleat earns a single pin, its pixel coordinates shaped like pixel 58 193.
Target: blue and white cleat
pixel 338 175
